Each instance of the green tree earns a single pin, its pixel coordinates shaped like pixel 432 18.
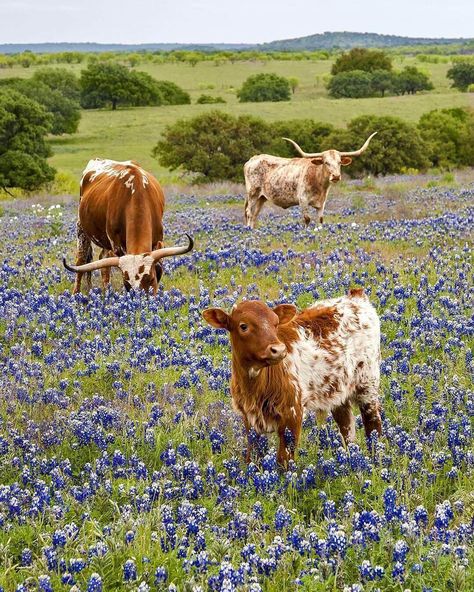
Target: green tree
pixel 171 93
pixel 359 58
pixel 309 134
pixel 105 83
pixel 355 84
pixel 462 75
pixel 66 112
pixel 264 87
pixel 449 136
pixel 397 146
pixel 381 81
pixel 60 79
pixel 215 145
pixel 410 80
pixel 294 83
pixel 24 124
pixel 209 100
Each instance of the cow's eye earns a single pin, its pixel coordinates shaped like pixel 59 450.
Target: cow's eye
pixel 243 327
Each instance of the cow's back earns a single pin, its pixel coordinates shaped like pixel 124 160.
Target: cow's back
pixel 113 194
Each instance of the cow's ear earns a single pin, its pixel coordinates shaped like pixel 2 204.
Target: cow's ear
pixel 285 312
pixel 216 317
pixel 345 160
pixel 317 160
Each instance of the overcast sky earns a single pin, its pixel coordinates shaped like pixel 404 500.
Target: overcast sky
pixel 230 21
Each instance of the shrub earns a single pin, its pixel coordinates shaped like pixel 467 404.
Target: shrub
pixel 61 80
pixel 214 144
pixel 309 134
pixel 24 124
pixel 264 87
pixel 209 100
pixel 355 85
pixel 367 60
pixel 410 80
pixel 449 136
pixel 171 93
pixel 397 145
pixel 462 75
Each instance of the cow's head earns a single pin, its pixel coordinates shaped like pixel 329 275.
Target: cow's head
pixel 139 271
pixel 253 328
pixel 332 159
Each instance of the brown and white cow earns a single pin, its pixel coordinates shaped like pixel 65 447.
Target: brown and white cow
pixel 285 363
pixel 121 211
pixel 288 182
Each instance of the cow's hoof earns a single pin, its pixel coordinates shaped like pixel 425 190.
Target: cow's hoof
pixel 307 220
pixel 321 220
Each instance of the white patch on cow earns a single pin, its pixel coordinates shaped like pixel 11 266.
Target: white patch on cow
pixel 115 169
pixel 293 411
pixel 254 372
pixel 132 263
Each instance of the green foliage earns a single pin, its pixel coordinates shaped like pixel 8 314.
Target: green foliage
pixel 104 83
pixel 214 144
pixel 367 60
pixel 397 145
pixel 462 75
pixel 264 87
pixel 65 111
pixel 171 93
pixel 309 134
pixel 60 79
pixel 449 136
pixel 382 81
pixel 24 124
pixel 411 80
pixel 209 100
pixel 355 84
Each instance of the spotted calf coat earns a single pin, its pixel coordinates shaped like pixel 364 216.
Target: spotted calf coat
pixel 332 362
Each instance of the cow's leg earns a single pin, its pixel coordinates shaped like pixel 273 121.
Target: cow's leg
pixel 370 412
pixel 105 272
pixel 321 213
pixel 83 255
pixel 304 205
pixel 254 205
pixel 344 418
pixel 289 431
pixel 367 395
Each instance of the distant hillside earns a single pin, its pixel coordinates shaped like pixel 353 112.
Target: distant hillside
pixel 347 40
pixel 327 40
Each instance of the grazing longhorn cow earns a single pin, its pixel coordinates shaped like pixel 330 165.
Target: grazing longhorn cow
pixel 284 364
pixel 121 211
pixel 287 182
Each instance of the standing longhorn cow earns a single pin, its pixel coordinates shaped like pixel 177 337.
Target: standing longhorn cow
pixel 288 182
pixel 121 211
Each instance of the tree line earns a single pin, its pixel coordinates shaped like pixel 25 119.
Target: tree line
pixel 214 146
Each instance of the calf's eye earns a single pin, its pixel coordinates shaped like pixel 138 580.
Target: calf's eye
pixel 243 327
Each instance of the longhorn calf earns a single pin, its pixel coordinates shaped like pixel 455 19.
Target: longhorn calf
pixel 323 359
pixel 288 182
pixel 121 211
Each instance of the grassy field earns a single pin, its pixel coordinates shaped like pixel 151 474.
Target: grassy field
pixel 132 133
pixel 122 462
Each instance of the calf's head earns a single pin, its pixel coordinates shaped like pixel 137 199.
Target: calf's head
pixel 139 271
pixel 253 328
pixel 332 159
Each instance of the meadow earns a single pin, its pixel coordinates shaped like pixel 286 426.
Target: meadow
pixel 122 462
pixel 132 133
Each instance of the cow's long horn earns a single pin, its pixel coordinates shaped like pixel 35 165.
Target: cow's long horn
pixel 170 251
pixel 100 264
pixel 358 152
pixel 302 152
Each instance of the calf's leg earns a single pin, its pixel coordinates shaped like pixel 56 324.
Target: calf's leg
pixel 289 431
pixel 344 418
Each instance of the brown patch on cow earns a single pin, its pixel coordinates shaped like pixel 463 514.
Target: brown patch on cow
pixel 137 276
pixel 370 413
pixel 344 418
pixel 321 321
pixel 126 277
pixel 141 269
pixel 356 292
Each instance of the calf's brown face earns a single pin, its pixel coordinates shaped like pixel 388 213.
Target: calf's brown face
pixel 253 331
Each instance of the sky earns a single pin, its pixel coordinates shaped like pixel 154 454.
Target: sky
pixel 228 21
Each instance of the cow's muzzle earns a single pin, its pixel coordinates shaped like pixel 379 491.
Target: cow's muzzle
pixel 274 354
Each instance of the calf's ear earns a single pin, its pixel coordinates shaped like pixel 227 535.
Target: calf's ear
pixel 317 160
pixel 285 312
pixel 345 160
pixel 216 317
